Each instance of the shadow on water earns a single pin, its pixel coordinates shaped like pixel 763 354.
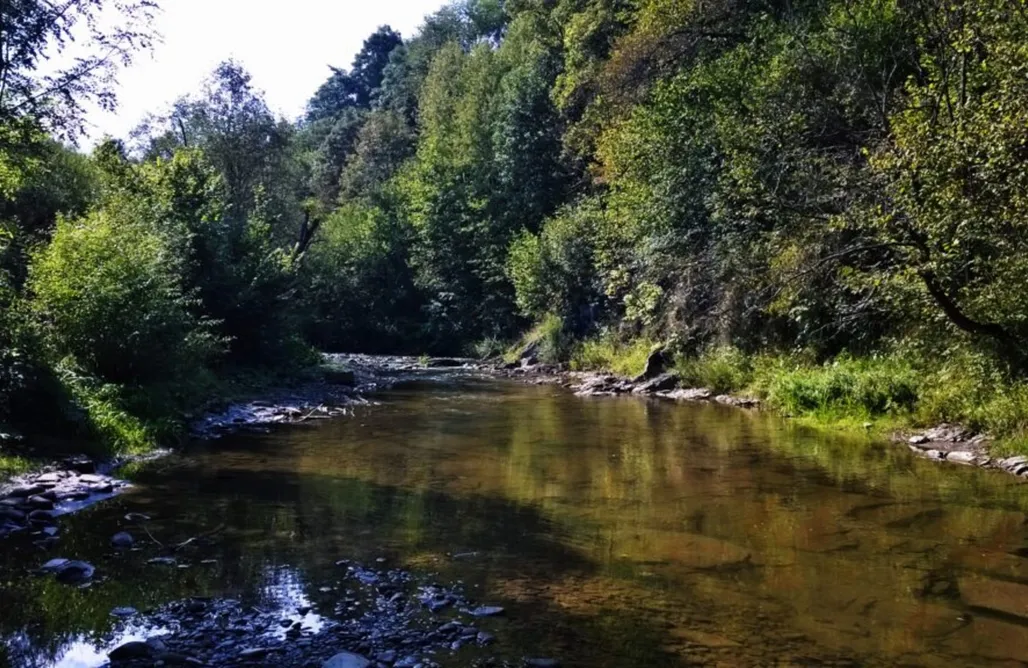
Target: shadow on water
pixel 616 532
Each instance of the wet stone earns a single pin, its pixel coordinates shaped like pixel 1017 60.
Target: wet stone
pixel 122 540
pixel 130 651
pixel 487 611
pixel 346 660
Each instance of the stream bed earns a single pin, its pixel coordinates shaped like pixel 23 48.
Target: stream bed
pixel 594 531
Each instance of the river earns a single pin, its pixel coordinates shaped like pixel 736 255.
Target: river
pixel 614 531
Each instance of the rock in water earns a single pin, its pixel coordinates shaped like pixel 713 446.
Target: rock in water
pixel 124 612
pixel 346 660
pixel 74 572
pixel 122 540
pixel 487 611
pixel 130 651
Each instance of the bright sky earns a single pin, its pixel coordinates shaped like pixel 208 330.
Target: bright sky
pixel 286 46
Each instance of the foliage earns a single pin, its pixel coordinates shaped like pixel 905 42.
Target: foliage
pixel 107 293
pixel 39 79
pixel 607 352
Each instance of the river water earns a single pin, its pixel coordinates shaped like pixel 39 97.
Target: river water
pixel 615 531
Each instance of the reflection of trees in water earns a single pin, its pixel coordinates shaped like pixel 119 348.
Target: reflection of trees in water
pixel 597 514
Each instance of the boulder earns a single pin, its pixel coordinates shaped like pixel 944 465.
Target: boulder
pixel 656 363
pixel 40 502
pixel 130 651
pixel 11 514
pixel 661 383
pixel 70 572
pixel 346 660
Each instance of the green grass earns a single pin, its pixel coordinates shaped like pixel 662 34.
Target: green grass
pixel 607 353
pixel 549 340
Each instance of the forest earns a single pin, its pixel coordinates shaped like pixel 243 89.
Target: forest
pixel 821 202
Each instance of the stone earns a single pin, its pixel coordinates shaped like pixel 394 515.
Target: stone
pixel 124 612
pixel 74 572
pixel 51 478
pixel 961 457
pixel 689 394
pixel 26 490
pixel 162 561
pixel 407 662
pixel 130 651
pixel 487 611
pixel 484 638
pixel 122 540
pixel 80 464
pixel 918 439
pixel 542 663
pixel 42 516
pixel 11 514
pixel 665 381
pixel 346 660
pixel 252 653
pixel 40 502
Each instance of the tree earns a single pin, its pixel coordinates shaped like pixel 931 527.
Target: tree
pixel 36 32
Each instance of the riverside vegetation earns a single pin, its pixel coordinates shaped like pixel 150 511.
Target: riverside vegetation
pixel 819 201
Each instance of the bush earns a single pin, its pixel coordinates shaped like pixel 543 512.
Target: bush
pixel 870 387
pixel 107 295
pixel 719 369
pixel 607 353
pixel 549 341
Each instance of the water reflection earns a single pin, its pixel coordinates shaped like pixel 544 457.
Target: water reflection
pixel 618 532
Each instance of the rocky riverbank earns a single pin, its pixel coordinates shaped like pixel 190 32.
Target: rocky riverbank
pixel 381 617
pixel 34 503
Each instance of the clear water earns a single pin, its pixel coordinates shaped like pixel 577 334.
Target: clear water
pixel 616 532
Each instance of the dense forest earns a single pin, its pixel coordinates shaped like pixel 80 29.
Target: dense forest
pixel 821 201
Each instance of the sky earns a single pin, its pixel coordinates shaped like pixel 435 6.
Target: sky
pixel 287 46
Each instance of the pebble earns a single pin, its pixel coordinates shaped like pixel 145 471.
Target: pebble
pixel 487 611
pixel 122 540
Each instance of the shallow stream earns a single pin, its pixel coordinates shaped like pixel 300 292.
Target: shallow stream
pixel 614 531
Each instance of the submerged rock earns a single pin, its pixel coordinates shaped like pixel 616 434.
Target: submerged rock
pixel 487 611
pixel 122 540
pixel 67 571
pixel 346 660
pixel 124 612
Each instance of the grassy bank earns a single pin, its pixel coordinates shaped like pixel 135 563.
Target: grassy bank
pixel 884 393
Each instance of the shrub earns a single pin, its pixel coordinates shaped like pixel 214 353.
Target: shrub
pixel 608 353
pixel 853 387
pixel 549 341
pixel 107 294
pixel 719 369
